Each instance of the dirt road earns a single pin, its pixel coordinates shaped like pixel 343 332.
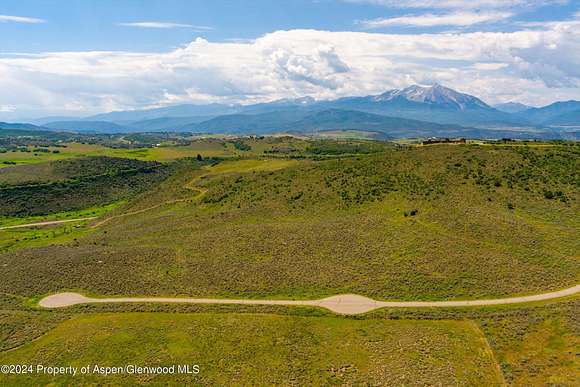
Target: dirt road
pixel 47 223
pixel 342 304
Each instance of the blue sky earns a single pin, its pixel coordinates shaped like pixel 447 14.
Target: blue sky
pixel 97 25
pixel 93 56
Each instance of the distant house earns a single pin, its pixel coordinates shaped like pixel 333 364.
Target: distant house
pixel 434 140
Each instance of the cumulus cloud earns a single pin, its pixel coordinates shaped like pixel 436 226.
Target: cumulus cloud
pixel 164 25
pixel 431 20
pixel 533 66
pixel 20 19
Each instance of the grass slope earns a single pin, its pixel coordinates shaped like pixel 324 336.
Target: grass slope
pixel 423 223
pixel 262 350
pixel 537 346
pixel 76 184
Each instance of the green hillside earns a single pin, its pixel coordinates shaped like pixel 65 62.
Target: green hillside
pixel 75 184
pixel 285 218
pixel 410 223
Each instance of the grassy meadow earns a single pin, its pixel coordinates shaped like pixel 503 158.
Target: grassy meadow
pixel 263 349
pixel 537 346
pixel 206 147
pixel 523 345
pixel 73 150
pixel 290 218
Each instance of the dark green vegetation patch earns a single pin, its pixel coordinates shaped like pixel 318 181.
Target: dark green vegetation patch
pixel 342 148
pixel 74 184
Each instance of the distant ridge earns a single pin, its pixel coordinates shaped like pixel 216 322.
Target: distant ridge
pixel 428 105
pixel 20 126
pixel 512 107
pixel 553 113
pixel 87 126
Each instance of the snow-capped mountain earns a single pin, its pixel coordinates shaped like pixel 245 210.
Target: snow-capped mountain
pixel 435 95
pixel 435 104
pixel 430 103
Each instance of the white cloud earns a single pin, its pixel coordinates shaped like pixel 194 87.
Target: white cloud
pixel 461 4
pixel 490 66
pixel 431 20
pixel 7 108
pixel 164 25
pixel 533 66
pixel 20 19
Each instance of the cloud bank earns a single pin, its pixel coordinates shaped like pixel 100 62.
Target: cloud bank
pixel 535 66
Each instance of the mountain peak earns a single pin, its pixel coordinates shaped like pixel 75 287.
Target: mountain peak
pixel 511 107
pixel 436 95
pixel 297 101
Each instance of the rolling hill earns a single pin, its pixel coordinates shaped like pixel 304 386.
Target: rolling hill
pixel 166 123
pixel 558 112
pixel 571 118
pixel 87 126
pixel 20 126
pixel 336 119
pixel 186 110
pixel 512 107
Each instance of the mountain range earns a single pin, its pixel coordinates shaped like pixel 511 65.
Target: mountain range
pixel 410 112
pixel 512 107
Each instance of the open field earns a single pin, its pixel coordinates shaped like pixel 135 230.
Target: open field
pixel 207 148
pixel 537 346
pixel 263 349
pixel 73 150
pixel 290 193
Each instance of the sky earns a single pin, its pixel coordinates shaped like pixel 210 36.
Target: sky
pixel 81 57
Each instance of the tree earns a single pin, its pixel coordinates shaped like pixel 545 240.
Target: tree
pixel 199 158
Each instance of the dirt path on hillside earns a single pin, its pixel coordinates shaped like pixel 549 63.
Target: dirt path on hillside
pixel 190 186
pixel 342 304
pixel 47 223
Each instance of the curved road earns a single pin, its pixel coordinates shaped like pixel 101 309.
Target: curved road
pixel 342 304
